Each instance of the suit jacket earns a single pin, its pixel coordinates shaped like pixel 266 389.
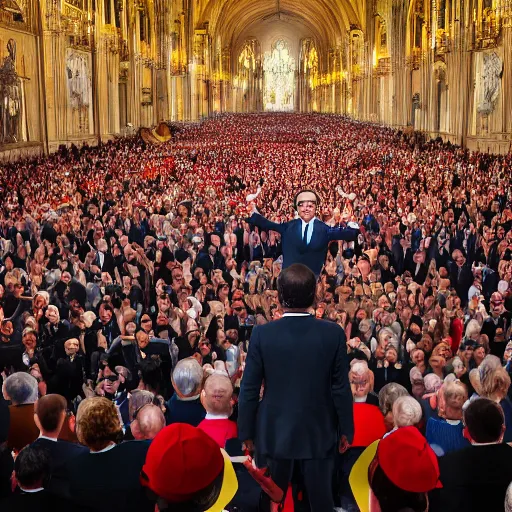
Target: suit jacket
pixel 41 501
pixel 307 399
pixel 22 429
pixel 184 411
pixel 475 479
pixel 60 451
pixel 294 250
pixel 105 481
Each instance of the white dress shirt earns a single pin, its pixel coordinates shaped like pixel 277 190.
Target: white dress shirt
pixel 310 230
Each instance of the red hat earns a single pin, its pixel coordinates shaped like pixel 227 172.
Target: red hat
pixel 368 424
pixel 182 460
pixel 408 461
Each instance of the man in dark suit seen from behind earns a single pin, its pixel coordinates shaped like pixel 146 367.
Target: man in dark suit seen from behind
pixel 476 478
pixel 49 416
pixel 307 401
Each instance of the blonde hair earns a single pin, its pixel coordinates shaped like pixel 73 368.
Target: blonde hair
pixel 494 379
pixel 455 394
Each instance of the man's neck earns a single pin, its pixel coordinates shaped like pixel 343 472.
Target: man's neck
pixel 296 310
pixel 49 435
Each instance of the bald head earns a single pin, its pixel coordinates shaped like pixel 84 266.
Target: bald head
pixel 217 393
pixel 150 420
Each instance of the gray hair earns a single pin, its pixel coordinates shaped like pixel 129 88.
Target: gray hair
pixel 406 411
pixel 187 377
pixel 473 329
pixel 508 499
pixel 388 396
pixel 432 382
pixel 21 388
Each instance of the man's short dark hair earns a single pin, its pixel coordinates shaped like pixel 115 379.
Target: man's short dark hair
pixel 484 420
pixel 296 287
pixel 295 205
pixel 49 410
pixel 32 465
pixel 150 372
pixel 391 498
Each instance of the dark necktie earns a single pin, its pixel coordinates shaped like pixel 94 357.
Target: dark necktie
pixel 305 237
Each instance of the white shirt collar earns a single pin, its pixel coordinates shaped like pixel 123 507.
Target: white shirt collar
pixel 296 314
pixel 188 398
pixel 306 223
pixel 211 416
pixel 486 444
pixel 108 448
pixel 453 422
pixel 30 491
pixel 54 439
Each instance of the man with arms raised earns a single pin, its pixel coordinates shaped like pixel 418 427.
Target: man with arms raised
pixel 305 240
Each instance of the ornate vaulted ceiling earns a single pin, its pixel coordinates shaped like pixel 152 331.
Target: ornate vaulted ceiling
pixel 328 20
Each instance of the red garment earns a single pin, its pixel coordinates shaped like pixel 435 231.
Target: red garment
pixel 219 430
pixel 456 330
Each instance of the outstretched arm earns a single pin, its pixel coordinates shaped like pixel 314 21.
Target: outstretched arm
pixel 349 234
pixel 258 220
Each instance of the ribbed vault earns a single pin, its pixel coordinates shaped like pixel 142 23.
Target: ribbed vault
pixel 327 20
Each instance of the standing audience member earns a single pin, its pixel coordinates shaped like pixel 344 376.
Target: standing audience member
pixel 488 457
pixel 295 424
pixel 107 477
pixel 147 422
pixel 49 416
pixel 185 405
pixel 21 389
pixel 216 399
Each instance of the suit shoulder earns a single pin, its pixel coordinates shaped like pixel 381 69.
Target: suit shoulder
pixel 330 327
pixel 134 446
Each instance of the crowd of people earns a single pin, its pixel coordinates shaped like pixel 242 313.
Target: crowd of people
pixel 131 282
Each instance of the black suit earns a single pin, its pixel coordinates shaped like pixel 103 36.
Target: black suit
pixel 61 452
pixel 106 481
pixel 306 404
pixel 474 479
pixel 41 501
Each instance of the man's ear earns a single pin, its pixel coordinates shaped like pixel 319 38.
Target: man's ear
pixel 72 423
pixel 467 435
pixel 134 427
pixel 37 422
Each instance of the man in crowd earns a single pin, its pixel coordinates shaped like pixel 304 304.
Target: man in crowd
pixel 49 416
pixel 305 240
pixel 103 282
pixel 488 457
pixel 295 424
pixel 21 389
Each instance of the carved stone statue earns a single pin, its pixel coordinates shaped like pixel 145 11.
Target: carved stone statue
pixel 490 83
pixel 10 97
